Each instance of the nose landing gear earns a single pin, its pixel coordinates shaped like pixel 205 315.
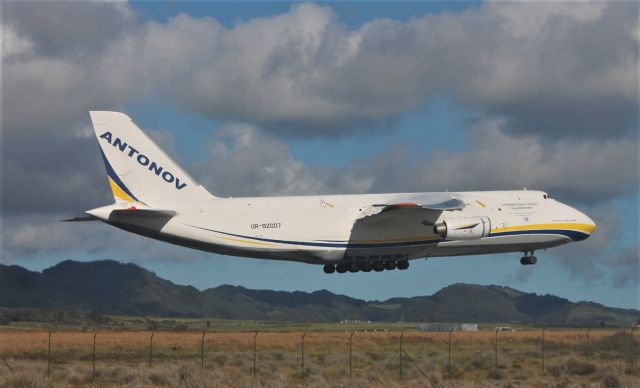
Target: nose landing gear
pixel 528 259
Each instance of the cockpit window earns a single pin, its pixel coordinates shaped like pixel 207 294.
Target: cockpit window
pixel 546 196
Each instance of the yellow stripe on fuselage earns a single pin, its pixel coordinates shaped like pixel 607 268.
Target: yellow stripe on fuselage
pixel 247 241
pixel 392 240
pixel 118 192
pixel 587 228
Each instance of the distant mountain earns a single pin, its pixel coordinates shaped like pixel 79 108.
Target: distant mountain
pixel 110 287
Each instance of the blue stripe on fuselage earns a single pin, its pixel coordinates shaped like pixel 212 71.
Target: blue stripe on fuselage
pixel 574 235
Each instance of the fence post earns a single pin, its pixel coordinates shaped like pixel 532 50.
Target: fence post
pixel 632 350
pixel 588 344
pixel 496 350
pixel 254 355
pixel 49 355
pixel 94 356
pixel 350 338
pixel 202 349
pixel 543 329
pixel 450 332
pixel 302 356
pixel 151 349
pixel 401 336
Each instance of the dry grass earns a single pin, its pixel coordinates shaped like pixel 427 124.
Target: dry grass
pixel 122 359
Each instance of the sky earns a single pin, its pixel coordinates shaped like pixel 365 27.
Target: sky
pixel 278 98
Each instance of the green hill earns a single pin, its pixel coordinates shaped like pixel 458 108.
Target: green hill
pixel 110 287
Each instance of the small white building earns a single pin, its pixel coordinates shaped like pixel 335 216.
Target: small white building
pixel 448 326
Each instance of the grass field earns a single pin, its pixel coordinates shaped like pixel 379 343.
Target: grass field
pixel 123 358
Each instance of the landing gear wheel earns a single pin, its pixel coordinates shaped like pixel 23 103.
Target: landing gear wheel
pixel 528 259
pixel 378 266
pixel 353 267
pixel 366 267
pixel 342 268
pixel 329 268
pixel 390 265
pixel 403 264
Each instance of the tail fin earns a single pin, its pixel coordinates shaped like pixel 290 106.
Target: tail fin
pixel 137 168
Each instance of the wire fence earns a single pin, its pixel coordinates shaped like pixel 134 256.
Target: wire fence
pixel 285 358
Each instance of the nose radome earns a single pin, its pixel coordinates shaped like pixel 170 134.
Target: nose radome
pixel 592 223
pixel 586 224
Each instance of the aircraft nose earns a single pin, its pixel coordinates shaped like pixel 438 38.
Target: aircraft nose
pixel 585 225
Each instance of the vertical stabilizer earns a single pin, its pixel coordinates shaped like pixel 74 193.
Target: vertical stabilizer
pixel 138 170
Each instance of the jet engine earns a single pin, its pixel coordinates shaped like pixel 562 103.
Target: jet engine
pixel 464 228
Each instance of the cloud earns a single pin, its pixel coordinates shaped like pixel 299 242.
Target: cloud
pixel 44 236
pixel 627 263
pixel 245 160
pixel 570 70
pixel 309 75
pixel 578 170
pixel 604 257
pixel 67 29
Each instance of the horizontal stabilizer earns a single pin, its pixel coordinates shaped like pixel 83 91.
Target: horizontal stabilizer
pixel 107 213
pixel 144 212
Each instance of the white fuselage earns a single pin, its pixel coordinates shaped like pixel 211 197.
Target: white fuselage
pixel 333 228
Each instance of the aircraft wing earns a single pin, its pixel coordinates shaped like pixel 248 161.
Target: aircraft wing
pixel 425 208
pixel 449 204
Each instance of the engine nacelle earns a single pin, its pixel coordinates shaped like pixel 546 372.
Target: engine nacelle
pixel 463 228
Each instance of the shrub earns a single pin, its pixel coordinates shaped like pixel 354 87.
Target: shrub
pixel 580 368
pixel 495 374
pixel 611 380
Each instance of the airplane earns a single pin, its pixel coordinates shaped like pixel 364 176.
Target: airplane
pixel 156 198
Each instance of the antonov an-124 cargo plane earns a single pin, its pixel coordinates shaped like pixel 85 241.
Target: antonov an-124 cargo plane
pixel 156 198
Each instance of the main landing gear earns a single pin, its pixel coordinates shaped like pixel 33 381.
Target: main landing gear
pixel 528 259
pixel 366 266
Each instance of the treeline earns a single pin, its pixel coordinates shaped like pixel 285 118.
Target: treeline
pixel 52 316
